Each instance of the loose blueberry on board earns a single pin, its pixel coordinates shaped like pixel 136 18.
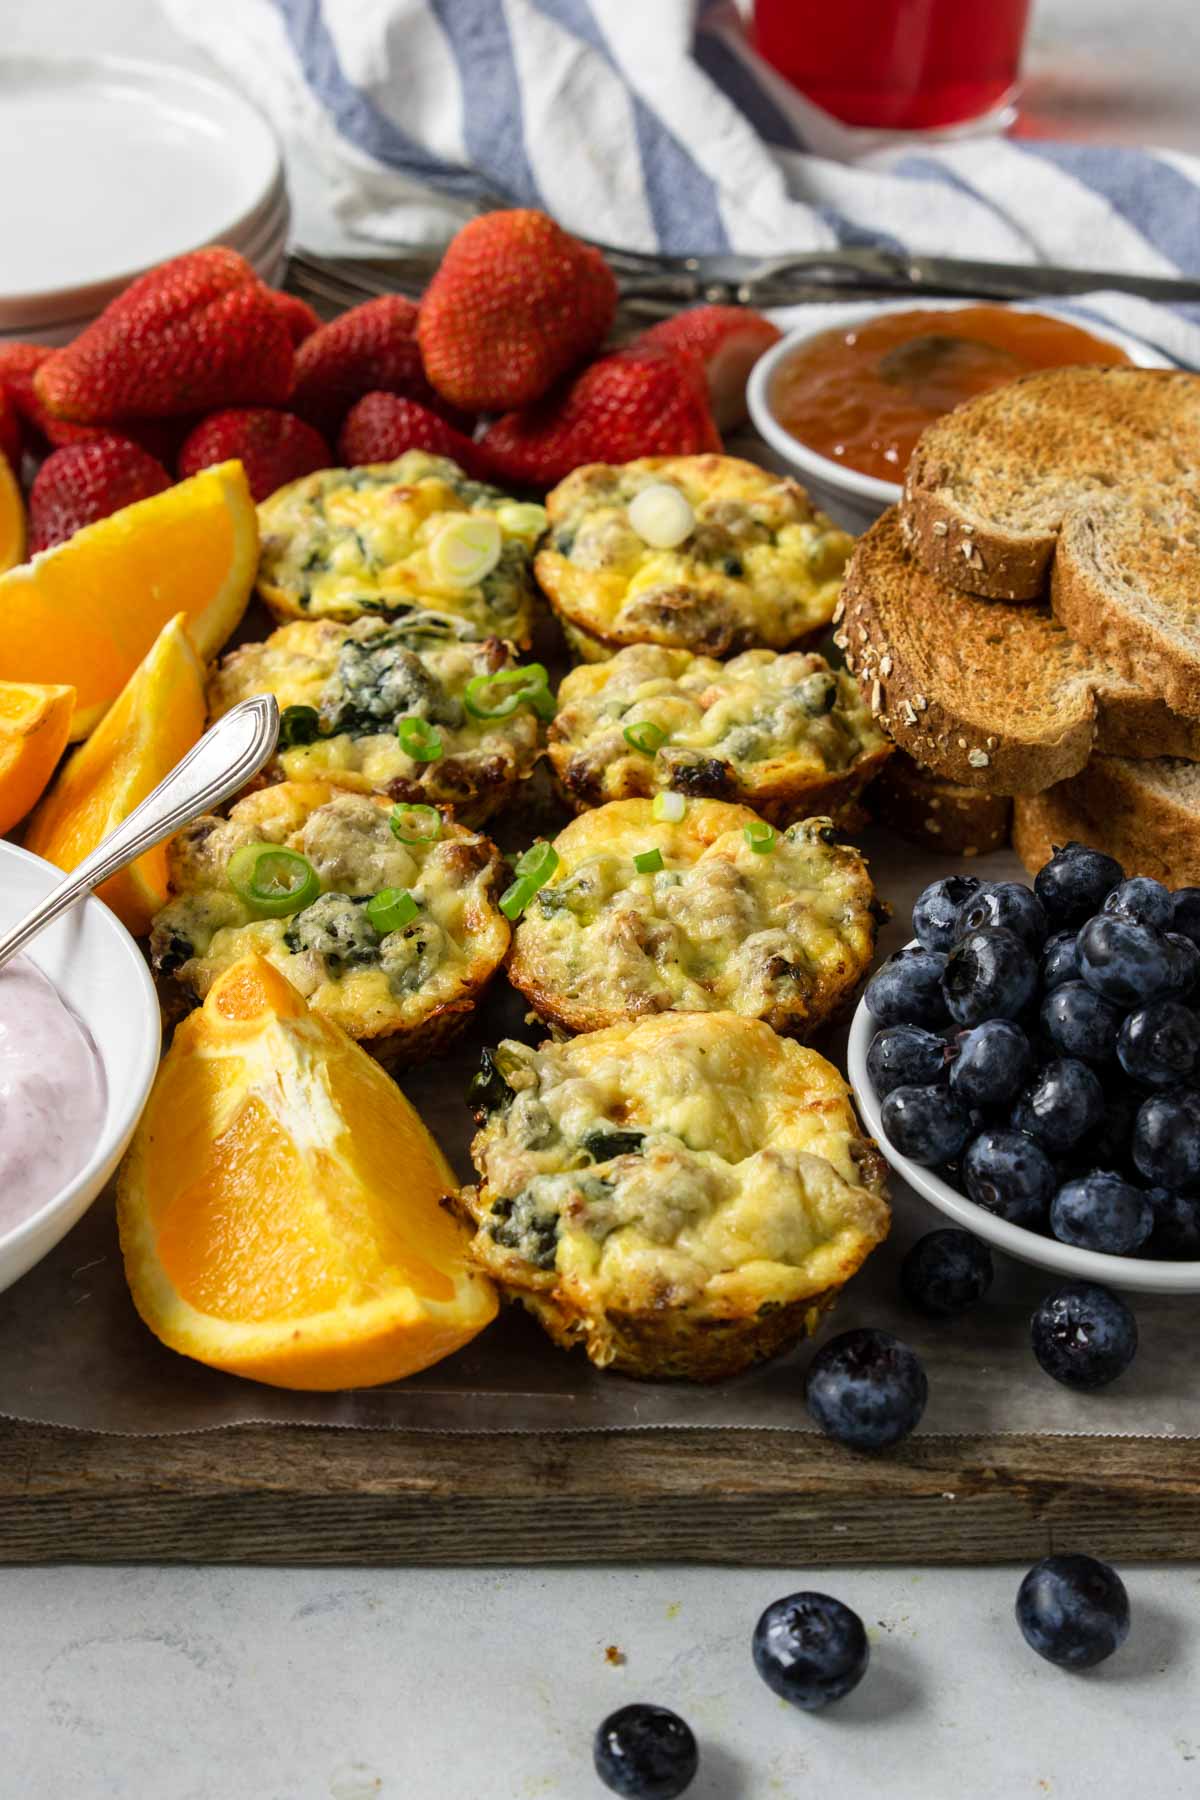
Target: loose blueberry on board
pixel 1075 883
pixel 946 1272
pixel 907 990
pixel 905 1056
pixel 810 1649
pixel 991 1063
pixel 1007 904
pixel 1166 1139
pixel 1160 1044
pixel 1060 961
pixel 926 1124
pixel 990 974
pixel 1079 1022
pixel 1073 1610
pixel 646 1753
pixel 1061 1103
pixel 1083 1335
pixel 1127 963
pixel 1185 912
pixel 1009 1175
pixel 1176 1231
pixel 935 915
pixel 866 1389
pixel 1101 1212
pixel 1142 899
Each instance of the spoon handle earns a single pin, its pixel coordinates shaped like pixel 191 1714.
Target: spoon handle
pixel 227 756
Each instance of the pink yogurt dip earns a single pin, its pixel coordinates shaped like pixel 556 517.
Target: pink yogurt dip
pixel 52 1094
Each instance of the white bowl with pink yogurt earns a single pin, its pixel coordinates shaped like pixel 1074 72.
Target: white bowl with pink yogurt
pixel 80 1033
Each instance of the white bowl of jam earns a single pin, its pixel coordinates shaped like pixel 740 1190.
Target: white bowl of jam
pixel 80 1034
pixel 843 398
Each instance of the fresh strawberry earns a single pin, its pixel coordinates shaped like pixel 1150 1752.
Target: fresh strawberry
pixel 85 482
pixel 515 305
pixel 381 427
pixel 727 341
pixel 297 315
pixel 198 332
pixel 10 432
pixel 273 447
pixel 641 401
pixel 370 349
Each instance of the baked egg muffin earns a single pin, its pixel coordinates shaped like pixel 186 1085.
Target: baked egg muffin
pixel 703 553
pixel 451 723
pixel 414 539
pixel 786 734
pixel 683 1195
pixel 383 916
pixel 713 911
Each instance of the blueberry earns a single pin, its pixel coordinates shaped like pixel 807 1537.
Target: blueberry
pixel 1176 1232
pixel 1142 899
pixel 645 1752
pixel 1073 1610
pixel 1166 1139
pixel 1011 1176
pixel 866 1389
pixel 1185 965
pixel 905 1056
pixel 1079 1022
pixel 1101 1212
pixel 990 974
pixel 925 1123
pixel 907 990
pixel 946 1272
pixel 1061 1103
pixel 1084 1335
pixel 810 1649
pixel 1185 913
pixel 992 1064
pixel 935 915
pixel 1108 1147
pixel 1075 882
pixel 1060 961
pixel 1160 1043
pixel 1127 963
pixel 1008 904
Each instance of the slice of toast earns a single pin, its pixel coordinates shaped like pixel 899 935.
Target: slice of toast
pixel 939 815
pixel 990 695
pixel 1146 814
pixel 988 485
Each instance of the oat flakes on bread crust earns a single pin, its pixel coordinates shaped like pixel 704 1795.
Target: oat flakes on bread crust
pixel 1146 814
pixel 987 694
pixel 989 484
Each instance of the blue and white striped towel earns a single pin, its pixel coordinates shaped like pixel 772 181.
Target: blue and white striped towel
pixel 653 124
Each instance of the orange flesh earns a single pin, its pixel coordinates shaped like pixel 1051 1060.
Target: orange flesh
pixel 833 395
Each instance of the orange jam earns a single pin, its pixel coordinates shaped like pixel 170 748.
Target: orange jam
pixel 863 394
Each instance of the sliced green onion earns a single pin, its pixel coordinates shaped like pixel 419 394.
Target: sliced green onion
pixel 299 725
pixel 391 909
pixel 517 896
pixel 418 738
pixel 760 836
pixel 533 871
pixel 669 806
pixel 648 862
pixel 645 736
pixel 529 685
pixel 416 823
pixel 272 880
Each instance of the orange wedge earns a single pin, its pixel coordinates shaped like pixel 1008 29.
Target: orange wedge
pixel 87 610
pixel 12 518
pixel 280 1206
pixel 34 726
pixel 155 720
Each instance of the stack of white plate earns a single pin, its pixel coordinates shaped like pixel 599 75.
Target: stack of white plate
pixel 111 166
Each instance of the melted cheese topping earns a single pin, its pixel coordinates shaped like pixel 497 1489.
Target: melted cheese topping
pixel 687 1160
pixel 361 679
pixel 345 542
pixel 762 720
pixel 760 566
pixel 372 985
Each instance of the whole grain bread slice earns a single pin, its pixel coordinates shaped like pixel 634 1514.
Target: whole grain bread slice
pixel 937 814
pixel 1146 814
pixel 994 696
pixel 988 485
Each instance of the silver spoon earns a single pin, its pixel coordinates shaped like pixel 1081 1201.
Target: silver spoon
pixel 229 754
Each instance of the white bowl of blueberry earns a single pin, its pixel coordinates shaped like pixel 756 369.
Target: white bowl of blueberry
pixel 1030 1064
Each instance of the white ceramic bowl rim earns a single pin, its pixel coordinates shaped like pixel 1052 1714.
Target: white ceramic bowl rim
pixel 123 1104
pixel 1144 1273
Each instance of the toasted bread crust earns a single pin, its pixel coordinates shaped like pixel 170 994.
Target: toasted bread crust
pixel 939 815
pixel 1132 810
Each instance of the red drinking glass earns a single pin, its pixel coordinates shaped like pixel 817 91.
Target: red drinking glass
pixel 896 64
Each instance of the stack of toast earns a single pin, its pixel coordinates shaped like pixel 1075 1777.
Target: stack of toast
pixel 1026 624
